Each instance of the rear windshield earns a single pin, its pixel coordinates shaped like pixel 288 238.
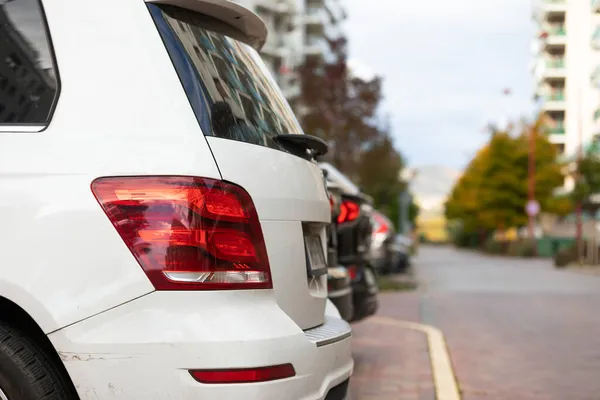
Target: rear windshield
pixel 231 91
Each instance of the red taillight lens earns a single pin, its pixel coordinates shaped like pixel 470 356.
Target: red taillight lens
pixel 382 225
pixel 249 375
pixel 352 272
pixel 349 211
pixel 188 233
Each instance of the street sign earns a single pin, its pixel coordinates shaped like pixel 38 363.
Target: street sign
pixel 532 208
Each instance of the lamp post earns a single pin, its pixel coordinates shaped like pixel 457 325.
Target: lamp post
pixel 532 205
pixel 578 207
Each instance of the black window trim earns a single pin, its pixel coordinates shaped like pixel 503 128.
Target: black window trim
pixel 22 127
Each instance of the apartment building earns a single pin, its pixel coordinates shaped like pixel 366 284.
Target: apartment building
pixel 566 68
pixel 298 29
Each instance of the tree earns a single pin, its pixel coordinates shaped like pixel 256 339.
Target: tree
pixel 463 202
pixel 343 109
pixel 493 191
pixel 589 182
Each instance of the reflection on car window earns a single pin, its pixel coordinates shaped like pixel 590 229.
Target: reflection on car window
pixel 237 91
pixel 28 85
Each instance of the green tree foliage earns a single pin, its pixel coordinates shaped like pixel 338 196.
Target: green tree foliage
pixel 589 178
pixel 493 190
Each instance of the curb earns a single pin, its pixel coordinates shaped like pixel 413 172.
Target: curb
pixel 444 379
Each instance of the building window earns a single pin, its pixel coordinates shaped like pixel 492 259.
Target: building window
pixel 28 83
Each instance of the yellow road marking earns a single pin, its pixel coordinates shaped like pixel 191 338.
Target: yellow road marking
pixel 444 379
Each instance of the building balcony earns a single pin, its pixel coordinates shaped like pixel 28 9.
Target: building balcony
pixel 595 77
pixel 550 9
pixel 315 20
pixel 315 3
pixel 554 69
pixel 274 46
pixel 290 89
pixel 556 130
pixel 554 102
pixel 554 36
pixel 316 46
pixel 596 38
pixel 556 63
pixel 557 137
pixel 276 6
pixel 314 50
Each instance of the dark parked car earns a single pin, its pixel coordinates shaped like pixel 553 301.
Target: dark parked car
pixel 339 283
pixel 353 227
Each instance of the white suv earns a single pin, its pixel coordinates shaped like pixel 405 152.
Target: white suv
pixel 162 220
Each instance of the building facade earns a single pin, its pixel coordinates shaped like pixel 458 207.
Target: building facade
pixel 298 29
pixel 566 68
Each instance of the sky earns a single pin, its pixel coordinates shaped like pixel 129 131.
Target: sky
pixel 445 65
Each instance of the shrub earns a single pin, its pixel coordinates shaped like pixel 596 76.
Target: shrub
pixel 514 249
pixel 522 248
pixel 492 246
pixel 528 248
pixel 564 257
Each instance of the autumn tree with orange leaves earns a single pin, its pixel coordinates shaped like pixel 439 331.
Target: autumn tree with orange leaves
pixel 492 192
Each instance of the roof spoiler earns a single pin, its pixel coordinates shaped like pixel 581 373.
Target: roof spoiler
pixel 244 20
pixel 361 198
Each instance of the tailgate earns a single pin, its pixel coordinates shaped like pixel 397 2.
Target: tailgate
pixel 241 112
pixel 293 208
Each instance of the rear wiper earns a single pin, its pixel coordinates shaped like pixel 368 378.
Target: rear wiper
pixel 302 145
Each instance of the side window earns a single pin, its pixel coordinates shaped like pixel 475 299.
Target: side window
pixel 28 80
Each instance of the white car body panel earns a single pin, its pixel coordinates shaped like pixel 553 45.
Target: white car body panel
pixel 290 191
pixel 49 265
pixel 142 350
pixel 62 261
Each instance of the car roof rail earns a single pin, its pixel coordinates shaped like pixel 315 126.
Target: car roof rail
pixel 244 20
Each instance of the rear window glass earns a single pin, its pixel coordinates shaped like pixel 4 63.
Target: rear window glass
pixel 28 82
pixel 231 91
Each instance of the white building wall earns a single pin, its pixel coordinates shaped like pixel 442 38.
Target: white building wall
pixel 581 96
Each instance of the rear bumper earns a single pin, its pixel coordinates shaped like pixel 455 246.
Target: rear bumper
pixel 144 349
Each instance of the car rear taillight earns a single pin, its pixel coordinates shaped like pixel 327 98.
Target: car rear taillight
pixel 188 233
pixel 349 211
pixel 352 272
pixel 246 375
pixel 381 223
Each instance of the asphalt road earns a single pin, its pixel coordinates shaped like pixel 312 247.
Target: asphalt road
pixel 516 329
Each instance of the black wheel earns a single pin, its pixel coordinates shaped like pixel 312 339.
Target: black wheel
pixel 27 372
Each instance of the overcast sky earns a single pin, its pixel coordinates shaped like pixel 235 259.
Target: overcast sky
pixel 445 65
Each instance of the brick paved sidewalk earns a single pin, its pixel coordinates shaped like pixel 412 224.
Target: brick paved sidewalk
pixel 391 363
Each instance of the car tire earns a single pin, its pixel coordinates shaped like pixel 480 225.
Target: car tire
pixel 27 372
